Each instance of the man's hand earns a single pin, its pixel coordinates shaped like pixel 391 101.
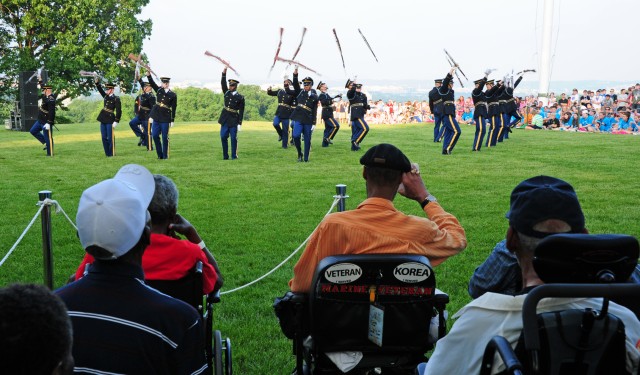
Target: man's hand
pixel 182 226
pixel 140 127
pixel 239 127
pixel 412 185
pixel 313 127
pixel 171 124
pixel 96 79
pixel 295 71
pixel 224 71
pixel 115 123
pixel 46 126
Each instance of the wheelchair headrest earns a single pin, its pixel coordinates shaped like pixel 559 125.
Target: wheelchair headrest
pixel 392 277
pixel 585 258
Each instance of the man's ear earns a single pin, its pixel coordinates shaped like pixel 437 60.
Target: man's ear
pixel 364 173
pixel 513 241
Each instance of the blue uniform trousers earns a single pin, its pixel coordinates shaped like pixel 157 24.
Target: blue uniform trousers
pixel 160 134
pixel 108 139
pixel 331 127
pixel 43 135
pixel 481 129
pixel 299 129
pixel 133 124
pixel 359 130
pixel 227 130
pixel 495 125
pixel 451 133
pixel 138 123
pixel 283 132
pixel 438 131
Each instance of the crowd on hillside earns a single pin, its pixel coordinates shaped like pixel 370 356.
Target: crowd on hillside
pixel 609 111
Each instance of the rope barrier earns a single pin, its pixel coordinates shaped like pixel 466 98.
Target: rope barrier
pixel 335 203
pixel 42 204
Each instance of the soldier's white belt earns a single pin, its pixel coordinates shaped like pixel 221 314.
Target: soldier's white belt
pixel 43 110
pixel 285 105
pixel 437 101
pixel 232 110
pixel 480 103
pixel 357 104
pixel 145 108
pixel 107 110
pixel 449 102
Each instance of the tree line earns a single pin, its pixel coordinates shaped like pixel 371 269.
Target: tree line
pixel 194 104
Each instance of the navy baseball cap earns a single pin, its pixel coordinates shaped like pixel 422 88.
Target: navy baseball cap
pixel 387 156
pixel 542 198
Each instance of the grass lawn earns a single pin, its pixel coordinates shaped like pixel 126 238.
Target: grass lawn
pixel 253 212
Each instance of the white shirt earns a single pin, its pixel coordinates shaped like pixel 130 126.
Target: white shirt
pixel 461 350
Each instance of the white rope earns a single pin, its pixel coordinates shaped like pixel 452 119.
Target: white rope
pixel 52 202
pixel 335 202
pixel 22 235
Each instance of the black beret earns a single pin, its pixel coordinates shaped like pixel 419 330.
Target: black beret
pixel 388 156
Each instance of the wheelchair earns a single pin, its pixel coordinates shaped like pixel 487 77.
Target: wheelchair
pixel 382 306
pixel 575 341
pixel 189 290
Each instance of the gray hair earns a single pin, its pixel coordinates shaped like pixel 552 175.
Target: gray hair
pixel 165 199
pixel 552 226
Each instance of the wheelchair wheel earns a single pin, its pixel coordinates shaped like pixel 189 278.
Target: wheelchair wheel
pixel 228 364
pixel 217 353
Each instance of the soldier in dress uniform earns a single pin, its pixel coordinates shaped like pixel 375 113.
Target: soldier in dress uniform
pixel 109 117
pixel 41 129
pixel 140 123
pixel 451 128
pixel 435 105
pixel 359 106
pixel 162 115
pixel 502 100
pixel 231 116
pixel 304 114
pixel 331 125
pixel 511 108
pixel 286 103
pixel 495 119
pixel 479 112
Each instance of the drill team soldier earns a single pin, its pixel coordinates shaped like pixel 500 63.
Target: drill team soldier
pixel 331 126
pixel 231 117
pixel 503 132
pixel 144 104
pixel 435 105
pixel 109 117
pixel 495 121
pixel 479 112
pixel 162 115
pixel 286 103
pixel 304 114
pixel 41 129
pixel 449 122
pixel 359 106
pixel 511 107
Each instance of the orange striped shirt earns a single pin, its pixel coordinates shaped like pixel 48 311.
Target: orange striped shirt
pixel 377 227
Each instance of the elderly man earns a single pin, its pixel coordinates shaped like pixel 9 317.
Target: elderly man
pixel 540 206
pixel 376 226
pixel 120 324
pixel 35 332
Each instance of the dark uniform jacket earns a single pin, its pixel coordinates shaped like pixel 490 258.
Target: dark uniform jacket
pixel 448 96
pixel 112 109
pixel 233 110
pixel 326 101
pixel 146 101
pixel 286 101
pixel 164 109
pixel 479 100
pixel 358 103
pixel 307 108
pixel 435 103
pixel 510 105
pixel 492 99
pixel 47 110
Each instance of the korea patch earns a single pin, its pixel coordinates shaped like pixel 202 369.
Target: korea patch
pixel 412 272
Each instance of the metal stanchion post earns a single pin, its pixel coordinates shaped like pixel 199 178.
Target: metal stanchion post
pixel 46 239
pixel 341 193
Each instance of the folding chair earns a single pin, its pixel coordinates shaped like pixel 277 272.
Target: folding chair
pixel 575 341
pixel 379 305
pixel 189 290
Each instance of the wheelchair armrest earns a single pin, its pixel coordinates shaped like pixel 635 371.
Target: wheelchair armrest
pixel 500 344
pixel 290 310
pixel 214 297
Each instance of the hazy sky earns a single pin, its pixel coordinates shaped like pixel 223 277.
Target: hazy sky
pixel 593 40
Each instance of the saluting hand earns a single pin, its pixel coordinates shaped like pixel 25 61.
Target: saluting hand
pixel 412 185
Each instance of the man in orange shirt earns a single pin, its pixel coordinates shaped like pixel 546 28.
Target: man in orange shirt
pixel 376 226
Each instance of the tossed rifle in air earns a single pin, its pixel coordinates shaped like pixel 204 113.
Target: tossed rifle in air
pixel 298 64
pixel 138 60
pixel 368 45
pixel 456 64
pixel 304 31
pixel 275 58
pixel 224 62
pixel 335 34
pixel 455 71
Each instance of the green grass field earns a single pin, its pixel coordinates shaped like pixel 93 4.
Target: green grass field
pixel 253 212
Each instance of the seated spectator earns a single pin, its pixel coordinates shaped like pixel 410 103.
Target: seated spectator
pixel 167 257
pixel 35 332
pixel 625 124
pixel 376 226
pixel 567 121
pixel 563 101
pixel 540 206
pixel 599 122
pixel 467 117
pixel 120 325
pixel 537 121
pixel 586 122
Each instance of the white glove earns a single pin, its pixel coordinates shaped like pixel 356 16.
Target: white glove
pixel 313 127
pixel 239 127
pixel 46 126
pixel 114 124
pixel 171 124
pixel 150 120
pixel 140 127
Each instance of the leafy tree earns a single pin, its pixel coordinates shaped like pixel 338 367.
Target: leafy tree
pixel 66 37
